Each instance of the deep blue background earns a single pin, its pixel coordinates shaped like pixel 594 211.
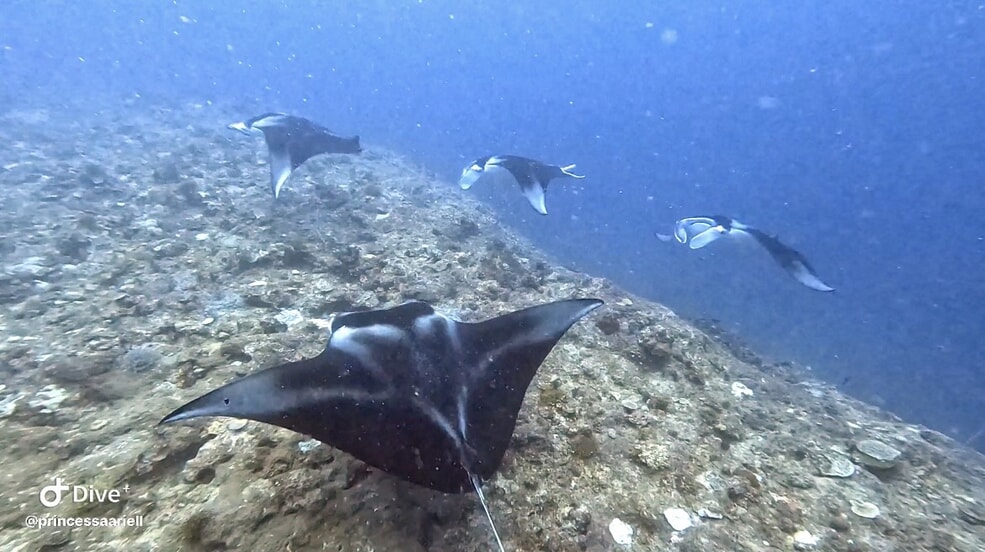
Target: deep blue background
pixel 851 129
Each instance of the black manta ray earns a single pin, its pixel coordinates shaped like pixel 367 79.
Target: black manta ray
pixel 414 393
pixel 698 232
pixel 293 140
pixel 532 176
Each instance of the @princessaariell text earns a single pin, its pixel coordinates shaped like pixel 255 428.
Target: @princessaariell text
pixel 61 521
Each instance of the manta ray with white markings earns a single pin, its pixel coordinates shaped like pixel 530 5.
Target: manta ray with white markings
pixel 530 175
pixel 412 392
pixel 293 140
pixel 697 232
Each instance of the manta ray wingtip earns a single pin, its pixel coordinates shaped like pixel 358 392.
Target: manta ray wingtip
pixel 174 416
pixel 183 413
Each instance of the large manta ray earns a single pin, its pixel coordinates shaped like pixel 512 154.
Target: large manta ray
pixel 530 175
pixel 419 395
pixel 293 140
pixel 697 232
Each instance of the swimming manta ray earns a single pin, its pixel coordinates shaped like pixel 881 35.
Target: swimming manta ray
pixel 532 176
pixel 698 232
pixel 291 141
pixel 412 392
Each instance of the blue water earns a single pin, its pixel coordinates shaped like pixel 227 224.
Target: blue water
pixel 851 129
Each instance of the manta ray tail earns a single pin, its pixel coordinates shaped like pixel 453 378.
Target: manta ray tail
pixel 566 171
pixel 477 485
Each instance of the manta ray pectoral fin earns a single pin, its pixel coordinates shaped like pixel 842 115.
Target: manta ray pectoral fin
pixel 566 171
pixel 502 356
pixel 686 228
pixel 705 237
pixel 680 233
pixel 280 169
pixel 790 259
pixel 268 120
pixel 258 396
pixel 805 275
pixel 535 192
pixel 470 176
pixel 240 126
pixel 295 395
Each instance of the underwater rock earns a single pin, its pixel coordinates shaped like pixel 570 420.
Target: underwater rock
pixel 789 516
pixel 839 522
pixel 258 301
pixel 54 539
pixel 279 255
pixel 838 466
pixel 272 326
pixel 31 268
pixel 463 230
pixel 346 261
pixel 141 358
pixel 332 197
pixel 289 317
pixel 189 191
pixel 804 540
pixel 608 324
pixel 93 176
pixel 678 518
pixel 654 456
pixel 421 292
pixel 187 373
pixel 236 424
pixel 234 351
pixel 705 513
pixel 655 348
pixel 30 307
pixel 167 173
pixel 970 512
pixel 74 370
pixel 740 390
pixel 9 400
pixel 48 399
pixel 584 445
pixel 622 532
pixel 200 469
pixel 76 247
pixel 167 249
pixel 308 445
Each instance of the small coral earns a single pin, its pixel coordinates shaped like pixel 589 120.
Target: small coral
pixel 141 358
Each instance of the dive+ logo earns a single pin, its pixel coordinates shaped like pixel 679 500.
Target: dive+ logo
pixel 52 495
